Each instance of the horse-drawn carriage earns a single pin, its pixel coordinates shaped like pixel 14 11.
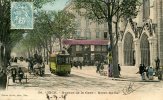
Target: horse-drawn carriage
pixel 39 69
pixel 36 65
pixel 17 73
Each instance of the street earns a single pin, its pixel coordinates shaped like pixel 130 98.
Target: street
pixel 83 84
pixel 84 80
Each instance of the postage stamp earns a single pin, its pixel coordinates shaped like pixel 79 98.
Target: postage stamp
pixel 21 15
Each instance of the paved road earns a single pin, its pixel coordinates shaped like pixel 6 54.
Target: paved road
pixel 89 82
pixel 79 80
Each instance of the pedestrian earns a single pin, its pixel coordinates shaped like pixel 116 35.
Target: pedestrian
pixel 15 60
pixel 20 74
pixel 71 63
pixel 150 73
pixel 80 65
pixel 96 63
pixel 146 70
pixel 110 70
pixel 102 66
pixel 30 65
pixel 13 74
pixel 119 69
pixel 142 71
pixel 157 64
pixel 98 67
pixel 3 79
pixel 75 64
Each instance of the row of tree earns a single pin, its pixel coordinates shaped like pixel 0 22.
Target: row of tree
pixel 8 37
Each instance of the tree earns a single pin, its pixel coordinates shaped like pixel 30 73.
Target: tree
pixel 105 11
pixel 61 24
pixel 49 25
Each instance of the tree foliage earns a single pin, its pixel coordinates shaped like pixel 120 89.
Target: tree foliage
pixel 50 26
pixel 62 25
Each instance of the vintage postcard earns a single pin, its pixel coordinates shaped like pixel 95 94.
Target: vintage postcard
pixel 81 49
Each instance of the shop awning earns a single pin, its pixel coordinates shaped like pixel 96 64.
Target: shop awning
pixel 85 42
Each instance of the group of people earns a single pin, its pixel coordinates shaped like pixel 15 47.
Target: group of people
pixel 99 66
pixel 37 59
pixel 15 73
pixel 146 72
pixel 76 64
pixel 149 72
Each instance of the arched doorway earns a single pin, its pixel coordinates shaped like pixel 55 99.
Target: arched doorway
pixel 145 50
pixel 129 59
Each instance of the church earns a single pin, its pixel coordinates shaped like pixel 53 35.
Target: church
pixel 141 40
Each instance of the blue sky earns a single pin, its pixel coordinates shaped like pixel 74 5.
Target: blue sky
pixel 58 5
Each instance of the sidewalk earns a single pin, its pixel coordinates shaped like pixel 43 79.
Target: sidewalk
pixel 128 73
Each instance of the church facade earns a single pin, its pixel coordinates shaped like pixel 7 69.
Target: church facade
pixel 141 40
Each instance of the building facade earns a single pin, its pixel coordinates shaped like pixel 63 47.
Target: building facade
pixel 90 41
pixel 140 41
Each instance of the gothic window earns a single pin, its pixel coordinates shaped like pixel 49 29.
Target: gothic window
pixel 129 50
pixel 145 51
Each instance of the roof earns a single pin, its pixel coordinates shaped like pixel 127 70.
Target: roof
pixel 85 42
pixel 58 53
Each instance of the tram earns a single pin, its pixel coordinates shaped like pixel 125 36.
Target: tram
pixel 59 63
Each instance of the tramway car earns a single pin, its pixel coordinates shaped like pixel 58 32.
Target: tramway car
pixel 59 63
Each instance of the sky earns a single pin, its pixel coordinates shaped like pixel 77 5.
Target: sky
pixel 58 5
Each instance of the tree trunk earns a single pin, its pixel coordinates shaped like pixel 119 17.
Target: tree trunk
pixel 50 46
pixel 7 55
pixel 113 50
pixel 60 44
pixel 44 54
pixel 47 52
pixel 29 55
pixel 1 56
